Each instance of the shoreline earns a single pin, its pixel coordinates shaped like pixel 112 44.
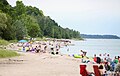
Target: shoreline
pixel 40 64
pixel 43 64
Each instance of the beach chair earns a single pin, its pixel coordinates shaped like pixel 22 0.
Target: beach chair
pixel 96 70
pixel 83 70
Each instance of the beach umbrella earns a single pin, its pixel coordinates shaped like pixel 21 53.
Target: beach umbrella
pixel 23 41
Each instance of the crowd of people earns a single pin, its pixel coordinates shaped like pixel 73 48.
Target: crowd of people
pixel 108 65
pixel 49 46
pixel 41 47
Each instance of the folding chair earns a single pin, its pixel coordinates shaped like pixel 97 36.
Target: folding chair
pixel 96 70
pixel 83 70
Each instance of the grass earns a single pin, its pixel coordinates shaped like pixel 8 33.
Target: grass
pixel 8 53
pixel 3 42
pixel 13 41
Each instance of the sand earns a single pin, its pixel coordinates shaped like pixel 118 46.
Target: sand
pixel 32 64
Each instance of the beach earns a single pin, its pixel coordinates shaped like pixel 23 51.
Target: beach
pixel 46 62
pixel 53 38
pixel 30 64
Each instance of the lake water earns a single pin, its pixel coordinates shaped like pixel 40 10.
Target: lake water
pixel 94 46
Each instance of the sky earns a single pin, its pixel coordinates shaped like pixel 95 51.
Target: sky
pixel 86 16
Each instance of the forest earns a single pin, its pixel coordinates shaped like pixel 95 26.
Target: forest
pixel 23 21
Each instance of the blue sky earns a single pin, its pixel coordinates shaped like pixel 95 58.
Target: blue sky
pixel 85 16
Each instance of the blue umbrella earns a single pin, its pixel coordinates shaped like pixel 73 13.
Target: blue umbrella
pixel 23 41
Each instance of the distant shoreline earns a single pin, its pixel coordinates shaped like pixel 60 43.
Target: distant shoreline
pixel 85 36
pixel 96 38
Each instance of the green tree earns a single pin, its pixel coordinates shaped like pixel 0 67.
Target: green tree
pixel 20 29
pixel 20 8
pixel 33 11
pixel 34 30
pixel 3 23
pixel 9 32
pixel 21 21
pixel 4 6
pixel 31 25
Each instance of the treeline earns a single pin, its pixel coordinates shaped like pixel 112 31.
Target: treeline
pixel 26 21
pixel 100 36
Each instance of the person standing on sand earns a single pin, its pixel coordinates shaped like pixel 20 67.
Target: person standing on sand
pixel 57 49
pixel 52 49
pixel 45 49
pixel 23 48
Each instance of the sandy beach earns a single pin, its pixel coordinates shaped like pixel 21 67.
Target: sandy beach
pixel 32 64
